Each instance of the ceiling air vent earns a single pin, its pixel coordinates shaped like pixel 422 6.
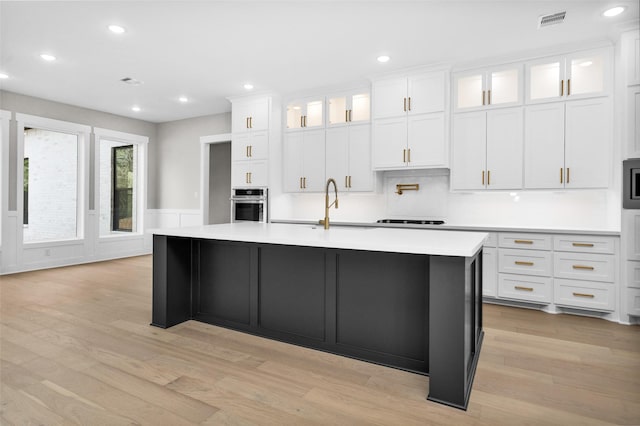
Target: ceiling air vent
pixel 131 81
pixel 553 19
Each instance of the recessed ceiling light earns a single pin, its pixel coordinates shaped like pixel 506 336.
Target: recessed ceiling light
pixel 383 58
pixel 183 99
pixel 248 86
pixel 614 11
pixel 135 108
pixel 47 57
pixel 586 63
pixel 3 76
pixel 117 29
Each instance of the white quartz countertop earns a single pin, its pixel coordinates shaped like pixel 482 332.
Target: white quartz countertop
pixel 417 241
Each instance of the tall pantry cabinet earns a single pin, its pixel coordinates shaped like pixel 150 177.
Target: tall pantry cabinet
pixel 250 127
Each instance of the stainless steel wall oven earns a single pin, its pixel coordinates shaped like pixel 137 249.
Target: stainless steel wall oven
pixel 249 204
pixel 631 183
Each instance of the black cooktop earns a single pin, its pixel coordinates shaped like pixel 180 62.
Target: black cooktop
pixel 413 222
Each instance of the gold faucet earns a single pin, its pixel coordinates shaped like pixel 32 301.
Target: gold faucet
pixel 327 206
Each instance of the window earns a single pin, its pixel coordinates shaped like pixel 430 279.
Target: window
pixel 25 191
pixel 118 185
pixel 120 167
pixel 50 185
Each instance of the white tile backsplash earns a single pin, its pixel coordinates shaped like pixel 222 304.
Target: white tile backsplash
pixel 568 209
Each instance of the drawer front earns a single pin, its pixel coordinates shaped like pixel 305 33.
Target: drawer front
pixel 584 244
pixel 633 274
pixel 633 298
pixel 492 241
pixel 584 266
pixel 584 295
pixel 489 272
pixel 525 241
pixel 521 287
pixel 527 262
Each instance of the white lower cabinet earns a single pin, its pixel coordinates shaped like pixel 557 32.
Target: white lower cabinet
pixel 526 262
pixel 584 294
pixel 572 271
pixel 525 288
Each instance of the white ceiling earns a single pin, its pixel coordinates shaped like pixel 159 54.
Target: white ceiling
pixel 207 50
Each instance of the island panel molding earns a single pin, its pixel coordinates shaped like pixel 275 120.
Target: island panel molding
pixel 419 312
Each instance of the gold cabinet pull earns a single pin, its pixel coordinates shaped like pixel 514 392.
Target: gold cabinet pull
pixel 346 181
pixel 483 93
pixel 561 173
pixel 590 296
pixel 523 241
pixel 561 87
pixel 568 86
pixel 409 153
pixel 247 151
pixel 405 104
pixel 523 263
pixel 584 267
pixel 301 125
pixel 582 244
pixel 409 104
pixel 249 176
pixel 568 175
pixel 251 122
pixel 346 115
pixel 404 155
pixel 483 178
pixel 304 180
pixel 488 177
pixel 350 115
pixel 488 97
pixel 519 287
pixel 349 181
pixel 300 182
pixel 250 150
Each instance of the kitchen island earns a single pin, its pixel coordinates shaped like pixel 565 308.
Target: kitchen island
pixel 410 299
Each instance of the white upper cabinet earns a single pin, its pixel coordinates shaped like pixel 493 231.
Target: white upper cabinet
pixel 498 86
pixel 487 150
pixel 304 161
pixel 305 113
pixel 348 157
pixel 248 115
pixel 351 107
pixel 574 76
pixel 567 145
pixel 251 146
pixel 403 96
pixel 409 122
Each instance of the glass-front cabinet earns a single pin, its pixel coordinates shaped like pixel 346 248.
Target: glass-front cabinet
pixel 349 107
pixel 305 113
pixel 578 75
pixel 488 87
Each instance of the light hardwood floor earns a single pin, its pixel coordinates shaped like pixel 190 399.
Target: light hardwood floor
pixel 76 348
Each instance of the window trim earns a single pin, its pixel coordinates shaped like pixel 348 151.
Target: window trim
pixel 141 179
pixel 82 205
pixel 5 118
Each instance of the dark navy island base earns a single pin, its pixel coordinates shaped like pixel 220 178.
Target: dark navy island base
pixel 421 313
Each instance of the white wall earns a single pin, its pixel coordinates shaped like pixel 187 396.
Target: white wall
pixel 178 160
